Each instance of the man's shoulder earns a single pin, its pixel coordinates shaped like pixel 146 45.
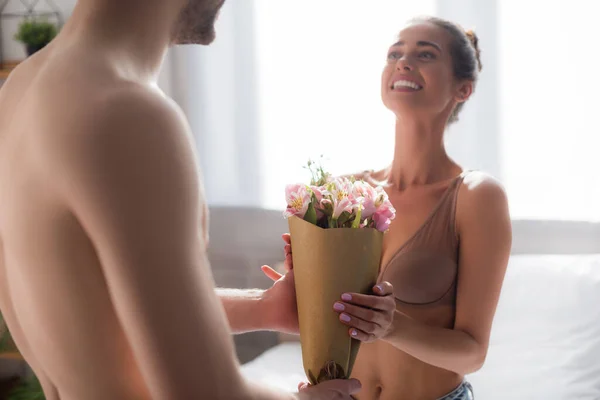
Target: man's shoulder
pixel 127 127
pixel 122 115
pixel 130 106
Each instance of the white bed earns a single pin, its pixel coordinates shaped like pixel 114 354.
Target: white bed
pixel 545 342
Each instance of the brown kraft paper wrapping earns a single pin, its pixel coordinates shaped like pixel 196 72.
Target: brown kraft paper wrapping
pixel 328 263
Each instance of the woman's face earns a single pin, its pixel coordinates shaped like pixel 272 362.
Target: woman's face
pixel 418 76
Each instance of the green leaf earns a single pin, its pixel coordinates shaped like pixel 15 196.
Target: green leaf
pixel 356 222
pixel 333 223
pixel 311 214
pixel 343 218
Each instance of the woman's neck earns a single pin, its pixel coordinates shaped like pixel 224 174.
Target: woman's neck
pixel 419 156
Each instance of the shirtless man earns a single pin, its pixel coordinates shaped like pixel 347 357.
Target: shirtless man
pixel 104 281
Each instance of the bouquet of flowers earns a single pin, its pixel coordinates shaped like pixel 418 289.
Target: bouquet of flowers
pixel 329 262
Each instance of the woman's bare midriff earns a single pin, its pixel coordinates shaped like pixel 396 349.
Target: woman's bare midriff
pixel 387 373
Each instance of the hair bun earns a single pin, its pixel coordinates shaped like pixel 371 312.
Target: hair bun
pixel 475 42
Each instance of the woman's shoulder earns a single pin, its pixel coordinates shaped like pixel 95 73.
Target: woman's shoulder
pixel 481 195
pixel 478 184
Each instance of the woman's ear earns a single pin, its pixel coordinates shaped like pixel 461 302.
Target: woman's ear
pixel 463 91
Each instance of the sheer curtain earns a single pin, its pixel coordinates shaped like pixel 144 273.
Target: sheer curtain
pixel 549 108
pixel 288 80
pixel 530 121
pixel 319 71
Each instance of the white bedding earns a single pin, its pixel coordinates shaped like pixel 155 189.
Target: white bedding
pixel 545 342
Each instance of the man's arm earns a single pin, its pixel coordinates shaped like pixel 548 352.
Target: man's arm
pixel 273 309
pixel 130 178
pixel 245 309
pixel 484 226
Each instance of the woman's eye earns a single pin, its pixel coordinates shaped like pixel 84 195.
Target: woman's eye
pixel 394 55
pixel 427 55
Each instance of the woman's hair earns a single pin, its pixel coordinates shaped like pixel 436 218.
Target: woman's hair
pixel 464 51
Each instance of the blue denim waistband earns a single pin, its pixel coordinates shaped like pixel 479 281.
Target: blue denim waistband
pixel 462 392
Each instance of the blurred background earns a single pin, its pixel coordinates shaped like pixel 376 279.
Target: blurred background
pixel 289 80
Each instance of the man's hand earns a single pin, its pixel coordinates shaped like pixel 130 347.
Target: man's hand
pixel 338 389
pixel 370 317
pixel 281 297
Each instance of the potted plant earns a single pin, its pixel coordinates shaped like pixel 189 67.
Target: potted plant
pixel 35 34
pixel 28 388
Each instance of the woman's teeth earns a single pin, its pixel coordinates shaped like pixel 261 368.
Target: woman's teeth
pixel 409 84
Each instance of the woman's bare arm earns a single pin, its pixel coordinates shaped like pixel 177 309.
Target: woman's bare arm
pixel 484 228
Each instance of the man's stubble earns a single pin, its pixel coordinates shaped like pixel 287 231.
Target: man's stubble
pixel 196 22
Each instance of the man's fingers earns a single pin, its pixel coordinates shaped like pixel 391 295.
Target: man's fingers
pixel 271 273
pixel 286 238
pixel 344 386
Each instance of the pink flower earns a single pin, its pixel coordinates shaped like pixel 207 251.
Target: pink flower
pixel 363 189
pixel 343 205
pixel 382 223
pixel 298 197
pixel 385 211
pixel 318 192
pixel 380 197
pixel 339 194
pixel 340 188
pixel 364 195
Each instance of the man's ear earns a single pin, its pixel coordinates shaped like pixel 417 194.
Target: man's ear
pixel 463 91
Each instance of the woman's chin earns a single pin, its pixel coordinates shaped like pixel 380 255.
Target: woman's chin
pixel 403 108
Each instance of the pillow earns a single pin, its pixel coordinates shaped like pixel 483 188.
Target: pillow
pixel 545 341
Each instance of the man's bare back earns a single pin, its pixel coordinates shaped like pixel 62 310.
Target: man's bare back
pixel 104 282
pixel 55 294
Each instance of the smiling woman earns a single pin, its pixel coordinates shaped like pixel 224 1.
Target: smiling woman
pixel 446 252
pixel 318 66
pixel 465 58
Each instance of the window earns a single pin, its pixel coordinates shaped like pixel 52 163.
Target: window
pixel 319 66
pixel 549 87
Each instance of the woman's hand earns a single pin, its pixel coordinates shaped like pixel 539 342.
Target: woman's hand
pixel 369 317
